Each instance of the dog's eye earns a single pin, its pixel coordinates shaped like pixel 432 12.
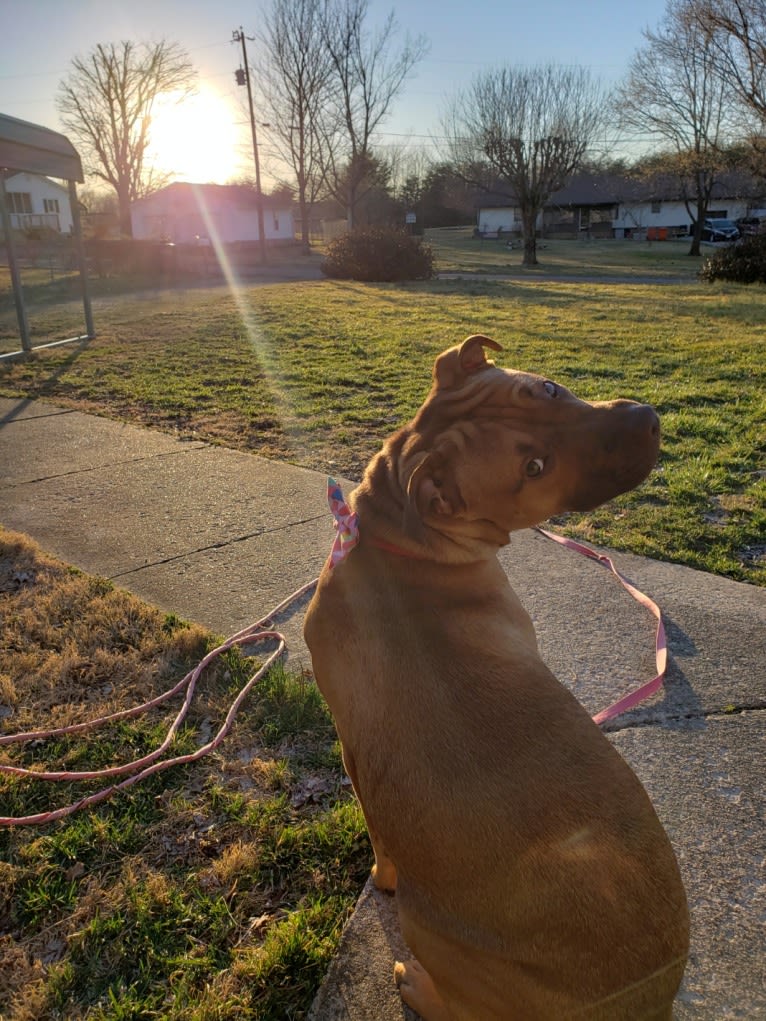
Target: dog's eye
pixel 551 388
pixel 535 467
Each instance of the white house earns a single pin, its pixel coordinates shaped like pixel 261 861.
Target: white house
pixel 188 213
pixel 609 206
pixel 669 217
pixel 35 202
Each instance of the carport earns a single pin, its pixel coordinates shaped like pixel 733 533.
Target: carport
pixel 33 149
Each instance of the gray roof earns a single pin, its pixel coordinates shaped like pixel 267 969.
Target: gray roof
pixel 33 149
pixel 586 189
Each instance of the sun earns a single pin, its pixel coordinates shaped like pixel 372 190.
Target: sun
pixel 194 138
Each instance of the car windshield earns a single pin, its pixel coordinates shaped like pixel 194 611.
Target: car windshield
pixel 722 223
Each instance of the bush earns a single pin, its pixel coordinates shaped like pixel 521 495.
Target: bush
pixel 378 254
pixel 743 262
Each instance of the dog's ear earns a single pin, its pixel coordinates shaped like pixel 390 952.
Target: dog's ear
pixel 452 367
pixel 471 353
pixel 432 491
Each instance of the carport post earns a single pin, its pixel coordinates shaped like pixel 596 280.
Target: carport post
pixel 77 232
pixel 18 293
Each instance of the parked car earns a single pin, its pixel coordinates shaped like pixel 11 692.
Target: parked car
pixel 749 225
pixel 719 230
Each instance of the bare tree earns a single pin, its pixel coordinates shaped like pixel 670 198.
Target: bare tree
pixel 105 103
pixel 527 130
pixel 294 81
pixel 672 90
pixel 737 30
pixel 408 167
pixel 367 76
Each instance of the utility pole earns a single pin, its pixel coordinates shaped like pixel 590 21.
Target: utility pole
pixel 242 76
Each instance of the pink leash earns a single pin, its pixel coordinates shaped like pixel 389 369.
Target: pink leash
pixel 139 769
pixel 660 646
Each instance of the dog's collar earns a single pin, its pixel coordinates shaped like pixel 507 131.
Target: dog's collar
pixel 347 528
pixel 398 551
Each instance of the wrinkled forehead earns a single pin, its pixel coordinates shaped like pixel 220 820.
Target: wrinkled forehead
pixel 511 385
pixel 503 395
pixel 522 380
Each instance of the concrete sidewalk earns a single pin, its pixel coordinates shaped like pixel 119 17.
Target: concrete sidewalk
pixel 220 537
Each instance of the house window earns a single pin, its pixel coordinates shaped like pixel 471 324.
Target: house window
pixel 276 223
pixel 51 205
pixel 656 207
pixel 19 202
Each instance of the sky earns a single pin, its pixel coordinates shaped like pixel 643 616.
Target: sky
pixel 208 139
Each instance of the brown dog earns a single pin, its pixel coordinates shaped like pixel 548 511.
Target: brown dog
pixel 533 878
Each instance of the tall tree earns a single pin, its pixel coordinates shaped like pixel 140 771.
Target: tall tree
pixel 294 81
pixel 105 103
pixel 368 74
pixel 672 90
pixel 737 30
pixel 527 130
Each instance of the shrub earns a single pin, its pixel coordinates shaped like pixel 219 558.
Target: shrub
pixel 743 262
pixel 380 254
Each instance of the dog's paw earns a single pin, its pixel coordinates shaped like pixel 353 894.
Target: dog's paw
pixel 384 876
pixel 419 992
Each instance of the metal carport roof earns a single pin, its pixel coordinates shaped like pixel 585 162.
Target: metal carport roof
pixel 37 150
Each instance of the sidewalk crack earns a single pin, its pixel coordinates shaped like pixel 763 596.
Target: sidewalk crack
pixel 111 464
pixel 702 714
pixel 216 546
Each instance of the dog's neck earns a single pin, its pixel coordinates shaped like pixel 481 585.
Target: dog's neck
pixel 386 519
pixel 398 551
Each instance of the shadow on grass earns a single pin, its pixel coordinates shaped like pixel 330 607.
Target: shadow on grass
pixel 47 386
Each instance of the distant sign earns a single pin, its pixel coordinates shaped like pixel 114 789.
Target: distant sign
pixel 410 218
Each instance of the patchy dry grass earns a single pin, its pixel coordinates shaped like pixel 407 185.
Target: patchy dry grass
pixel 210 891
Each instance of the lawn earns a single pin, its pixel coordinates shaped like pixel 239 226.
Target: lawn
pixel 318 373
pixel 457 250
pixel 210 891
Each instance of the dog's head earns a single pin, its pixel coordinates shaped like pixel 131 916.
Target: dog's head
pixel 503 449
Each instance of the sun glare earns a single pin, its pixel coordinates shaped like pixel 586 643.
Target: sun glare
pixel 195 139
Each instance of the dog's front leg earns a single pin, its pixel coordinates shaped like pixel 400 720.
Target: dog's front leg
pixel 384 870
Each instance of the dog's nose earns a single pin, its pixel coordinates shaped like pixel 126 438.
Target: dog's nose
pixel 641 418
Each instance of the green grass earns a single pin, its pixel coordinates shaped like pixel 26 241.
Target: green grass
pixel 320 373
pixel 457 250
pixel 207 892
